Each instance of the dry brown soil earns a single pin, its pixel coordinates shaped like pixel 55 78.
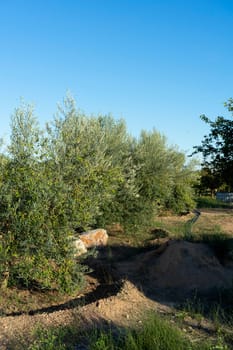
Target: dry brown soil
pixel 124 285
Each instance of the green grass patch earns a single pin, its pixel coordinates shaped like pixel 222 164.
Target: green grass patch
pixel 154 333
pixel 175 229
pixel 216 309
pixel 209 202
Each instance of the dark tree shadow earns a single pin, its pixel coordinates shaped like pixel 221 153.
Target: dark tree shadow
pixel 104 268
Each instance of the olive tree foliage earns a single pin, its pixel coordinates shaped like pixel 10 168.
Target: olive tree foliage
pixel 92 154
pixel 217 151
pixel 95 156
pixel 80 172
pixel 165 180
pixel 120 146
pixel 34 212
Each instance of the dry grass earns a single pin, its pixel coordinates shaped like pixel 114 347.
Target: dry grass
pixel 210 221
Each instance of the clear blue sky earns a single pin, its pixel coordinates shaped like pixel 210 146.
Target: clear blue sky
pixel 154 63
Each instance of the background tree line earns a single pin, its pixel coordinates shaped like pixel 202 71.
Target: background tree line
pixel 79 171
pixel 217 152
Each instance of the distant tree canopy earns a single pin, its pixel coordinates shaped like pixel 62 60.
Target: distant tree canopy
pixel 217 152
pixel 84 172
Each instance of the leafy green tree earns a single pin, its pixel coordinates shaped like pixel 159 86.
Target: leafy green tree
pixel 157 177
pixel 217 149
pixel 81 154
pixel 80 172
pixel 120 147
pixel 209 182
pixel 34 213
pixel 185 178
pixel 164 178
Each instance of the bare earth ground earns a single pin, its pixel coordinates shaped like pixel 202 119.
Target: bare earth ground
pixel 121 289
pixel 117 309
pixel 122 310
pixel 211 219
pixel 221 218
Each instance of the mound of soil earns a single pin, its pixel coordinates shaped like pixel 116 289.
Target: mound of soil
pixel 177 270
pixel 167 273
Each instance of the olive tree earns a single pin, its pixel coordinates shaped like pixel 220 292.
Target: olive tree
pixel 165 180
pixel 34 212
pixel 81 154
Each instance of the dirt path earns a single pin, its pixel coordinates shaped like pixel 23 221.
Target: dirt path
pixel 122 310
pixel 127 306
pixel 122 293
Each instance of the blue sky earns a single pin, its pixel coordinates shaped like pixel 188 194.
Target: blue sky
pixel 157 64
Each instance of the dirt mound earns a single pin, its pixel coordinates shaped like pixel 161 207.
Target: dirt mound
pixel 177 270
pixel 127 306
pixel 152 280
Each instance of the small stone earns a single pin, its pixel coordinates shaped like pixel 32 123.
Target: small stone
pixel 94 238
